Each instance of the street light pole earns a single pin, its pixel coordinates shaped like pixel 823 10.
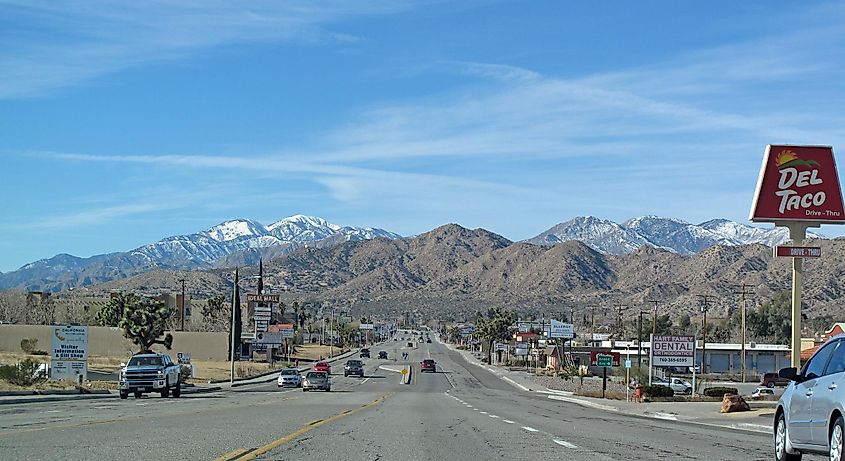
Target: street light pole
pixel 183 303
pixel 706 299
pixel 232 330
pixel 639 343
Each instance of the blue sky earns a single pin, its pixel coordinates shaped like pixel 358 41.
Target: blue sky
pixel 125 122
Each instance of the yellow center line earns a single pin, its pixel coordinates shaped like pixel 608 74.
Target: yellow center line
pixel 246 454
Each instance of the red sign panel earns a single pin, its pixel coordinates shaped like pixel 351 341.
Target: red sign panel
pixel 798 183
pixel 785 251
pixel 604 359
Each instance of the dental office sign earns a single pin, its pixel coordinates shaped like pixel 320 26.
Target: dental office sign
pixel 798 183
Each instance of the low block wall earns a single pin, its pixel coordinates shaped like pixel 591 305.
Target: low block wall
pixel 109 342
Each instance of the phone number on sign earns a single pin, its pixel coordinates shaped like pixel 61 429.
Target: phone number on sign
pixel 672 360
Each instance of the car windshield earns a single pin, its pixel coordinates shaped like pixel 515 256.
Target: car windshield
pixel 149 361
pixel 290 372
pixel 316 375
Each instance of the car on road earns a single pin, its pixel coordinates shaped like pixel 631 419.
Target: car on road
pixel 317 380
pixel 365 353
pixel 382 355
pixel 771 380
pixel 762 393
pixel 428 365
pixel 323 366
pixel 353 367
pixel 428 340
pixel 289 377
pixel 150 373
pixel 808 416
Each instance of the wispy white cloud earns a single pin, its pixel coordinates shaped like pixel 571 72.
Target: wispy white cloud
pixel 52 45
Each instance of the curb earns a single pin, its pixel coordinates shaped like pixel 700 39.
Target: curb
pixel 53 392
pixel 57 398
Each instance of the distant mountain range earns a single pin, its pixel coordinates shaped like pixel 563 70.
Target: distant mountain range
pixel 243 242
pixel 452 272
pixel 671 234
pixel 235 242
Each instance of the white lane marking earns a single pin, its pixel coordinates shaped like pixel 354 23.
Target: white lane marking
pixel 515 383
pixel 668 416
pixel 54 411
pixel 493 416
pixel 507 421
pixel 364 381
pixel 483 412
pixel 566 444
pixel 530 429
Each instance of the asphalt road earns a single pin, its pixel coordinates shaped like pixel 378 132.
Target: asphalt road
pixel 460 412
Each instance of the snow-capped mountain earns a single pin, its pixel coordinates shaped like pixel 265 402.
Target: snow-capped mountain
pixel 600 234
pixel 205 249
pixel 671 234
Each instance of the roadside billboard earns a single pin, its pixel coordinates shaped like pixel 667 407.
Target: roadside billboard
pixel 798 183
pixel 672 351
pixel 561 330
pixel 521 349
pixel 69 353
pixel 268 338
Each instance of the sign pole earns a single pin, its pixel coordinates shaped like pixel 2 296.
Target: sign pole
pixel 797 232
pixel 604 381
pixel 650 358
pixel 694 344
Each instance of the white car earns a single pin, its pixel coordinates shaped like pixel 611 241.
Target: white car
pixel 290 377
pixel 762 392
pixel 678 385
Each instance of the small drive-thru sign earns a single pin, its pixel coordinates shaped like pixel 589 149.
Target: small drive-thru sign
pixel 786 251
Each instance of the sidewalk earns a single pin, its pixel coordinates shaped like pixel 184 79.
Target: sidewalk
pixel 758 420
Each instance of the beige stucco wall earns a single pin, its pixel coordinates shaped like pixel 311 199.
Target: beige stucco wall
pixel 109 342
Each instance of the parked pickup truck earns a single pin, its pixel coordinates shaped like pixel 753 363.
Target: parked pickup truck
pixel 150 373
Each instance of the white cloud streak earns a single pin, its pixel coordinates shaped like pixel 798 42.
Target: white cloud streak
pixel 54 45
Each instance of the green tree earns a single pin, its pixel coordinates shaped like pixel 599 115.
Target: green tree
pixel 217 313
pixel 496 325
pixel 144 320
pixel 664 326
pixel 771 322
pixel 110 314
pixel 684 325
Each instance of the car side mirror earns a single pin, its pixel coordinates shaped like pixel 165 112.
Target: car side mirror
pixel 790 373
pixel 122 365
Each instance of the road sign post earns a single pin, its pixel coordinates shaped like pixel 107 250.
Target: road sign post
pixel 798 188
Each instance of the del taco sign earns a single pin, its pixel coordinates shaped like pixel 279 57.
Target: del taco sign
pixel 798 183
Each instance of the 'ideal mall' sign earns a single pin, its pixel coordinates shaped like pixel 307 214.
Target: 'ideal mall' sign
pixel 798 183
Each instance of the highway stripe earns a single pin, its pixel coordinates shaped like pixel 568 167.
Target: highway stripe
pixel 252 453
pixel 530 429
pixel 566 444
pixel 507 421
pixel 493 416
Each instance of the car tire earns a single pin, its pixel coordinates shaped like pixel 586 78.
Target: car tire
pixel 304 389
pixel 770 385
pixel 781 437
pixel 124 395
pixel 138 394
pixel 836 439
pixel 177 390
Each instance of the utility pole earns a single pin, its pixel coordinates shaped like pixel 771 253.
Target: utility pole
pixel 706 299
pixel 654 316
pixel 183 303
pixel 619 328
pixel 743 292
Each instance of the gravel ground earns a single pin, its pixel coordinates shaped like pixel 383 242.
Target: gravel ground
pixel 574 384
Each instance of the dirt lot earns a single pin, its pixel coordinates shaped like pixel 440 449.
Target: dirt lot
pixel 204 370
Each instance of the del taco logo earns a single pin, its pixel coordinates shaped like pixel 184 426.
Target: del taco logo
pixel 798 183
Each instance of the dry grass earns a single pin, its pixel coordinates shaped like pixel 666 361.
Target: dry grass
pixel 205 370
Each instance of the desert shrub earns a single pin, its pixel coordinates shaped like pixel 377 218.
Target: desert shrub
pixel 719 391
pixel 25 373
pixel 658 391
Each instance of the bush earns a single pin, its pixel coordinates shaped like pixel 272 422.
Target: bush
pixel 25 373
pixel 658 391
pixel 719 391
pixel 28 345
